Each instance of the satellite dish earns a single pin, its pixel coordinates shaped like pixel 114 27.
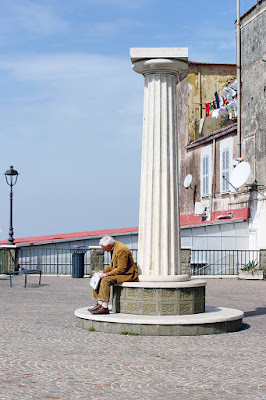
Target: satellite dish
pixel 187 181
pixel 240 175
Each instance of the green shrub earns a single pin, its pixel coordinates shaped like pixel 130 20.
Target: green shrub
pixel 251 266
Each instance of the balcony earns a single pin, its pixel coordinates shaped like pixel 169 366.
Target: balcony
pixel 212 125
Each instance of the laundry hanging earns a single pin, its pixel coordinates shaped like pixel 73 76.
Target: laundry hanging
pixel 217 100
pixel 234 106
pixel 223 111
pixel 207 105
pixel 230 111
pixel 216 113
pixel 227 103
pixel 201 125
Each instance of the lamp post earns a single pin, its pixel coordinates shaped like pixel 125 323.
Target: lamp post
pixel 11 179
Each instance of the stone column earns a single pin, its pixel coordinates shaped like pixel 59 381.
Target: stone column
pixel 185 261
pixel 159 228
pixel 8 259
pixel 263 261
pixel 96 260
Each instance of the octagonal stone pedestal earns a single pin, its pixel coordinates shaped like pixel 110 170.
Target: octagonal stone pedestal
pixel 159 298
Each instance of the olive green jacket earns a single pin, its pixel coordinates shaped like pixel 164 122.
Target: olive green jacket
pixel 122 264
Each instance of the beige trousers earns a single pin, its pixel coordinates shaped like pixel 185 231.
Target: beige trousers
pixel 103 291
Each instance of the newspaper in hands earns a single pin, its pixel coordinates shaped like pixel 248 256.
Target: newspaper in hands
pixel 95 280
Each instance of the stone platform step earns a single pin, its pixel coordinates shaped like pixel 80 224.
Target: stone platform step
pixel 214 320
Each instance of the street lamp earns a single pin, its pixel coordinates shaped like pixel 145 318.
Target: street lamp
pixel 11 179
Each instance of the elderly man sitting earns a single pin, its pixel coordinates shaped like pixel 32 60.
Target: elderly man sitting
pixel 121 269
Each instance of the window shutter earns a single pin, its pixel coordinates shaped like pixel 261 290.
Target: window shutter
pixel 225 169
pixel 205 175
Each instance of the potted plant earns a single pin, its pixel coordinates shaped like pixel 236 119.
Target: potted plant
pixel 251 270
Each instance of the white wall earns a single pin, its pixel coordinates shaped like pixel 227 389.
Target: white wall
pixel 227 236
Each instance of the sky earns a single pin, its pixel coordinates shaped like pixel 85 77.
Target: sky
pixel 71 105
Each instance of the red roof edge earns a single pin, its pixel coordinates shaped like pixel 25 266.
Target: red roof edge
pixel 217 217
pixel 185 220
pixel 75 235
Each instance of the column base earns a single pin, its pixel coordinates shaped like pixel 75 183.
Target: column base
pixel 161 309
pixel 159 298
pixel 213 321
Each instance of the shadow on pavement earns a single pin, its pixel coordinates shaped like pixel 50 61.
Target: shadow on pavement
pixel 29 285
pixel 258 311
pixel 245 327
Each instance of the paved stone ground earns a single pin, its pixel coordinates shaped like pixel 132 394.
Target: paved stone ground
pixel 44 356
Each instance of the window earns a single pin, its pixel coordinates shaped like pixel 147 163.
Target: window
pixel 226 155
pixel 205 175
pixel 225 169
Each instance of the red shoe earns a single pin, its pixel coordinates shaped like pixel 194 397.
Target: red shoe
pixel 101 310
pixel 93 308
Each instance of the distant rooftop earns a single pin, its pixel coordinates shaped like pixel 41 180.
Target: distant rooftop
pixel 210 63
pixel 71 236
pixel 185 221
pixel 259 2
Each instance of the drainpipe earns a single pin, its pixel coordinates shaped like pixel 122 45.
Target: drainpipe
pixel 200 90
pixel 238 66
pixel 213 180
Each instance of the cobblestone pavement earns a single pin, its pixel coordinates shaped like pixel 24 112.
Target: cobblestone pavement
pixel 45 356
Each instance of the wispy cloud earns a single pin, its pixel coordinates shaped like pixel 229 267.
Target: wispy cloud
pixel 57 67
pixel 25 17
pixel 78 114
pixel 229 44
pixel 125 4
pixel 78 81
pixel 100 30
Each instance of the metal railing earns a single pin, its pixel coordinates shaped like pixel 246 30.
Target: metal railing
pixel 221 262
pixel 59 260
pixel 51 261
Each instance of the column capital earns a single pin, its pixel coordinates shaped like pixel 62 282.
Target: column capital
pixel 160 66
pixel 159 60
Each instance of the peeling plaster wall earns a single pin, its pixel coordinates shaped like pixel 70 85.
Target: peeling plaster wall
pixel 253 121
pixel 190 162
pixel 203 81
pixel 193 88
pixel 253 80
pixel 199 87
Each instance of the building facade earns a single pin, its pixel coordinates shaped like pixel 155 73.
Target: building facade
pixel 214 214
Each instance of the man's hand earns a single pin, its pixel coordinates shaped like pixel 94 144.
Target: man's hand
pixel 102 274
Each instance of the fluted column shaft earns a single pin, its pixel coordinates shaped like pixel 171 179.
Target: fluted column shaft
pixel 159 228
